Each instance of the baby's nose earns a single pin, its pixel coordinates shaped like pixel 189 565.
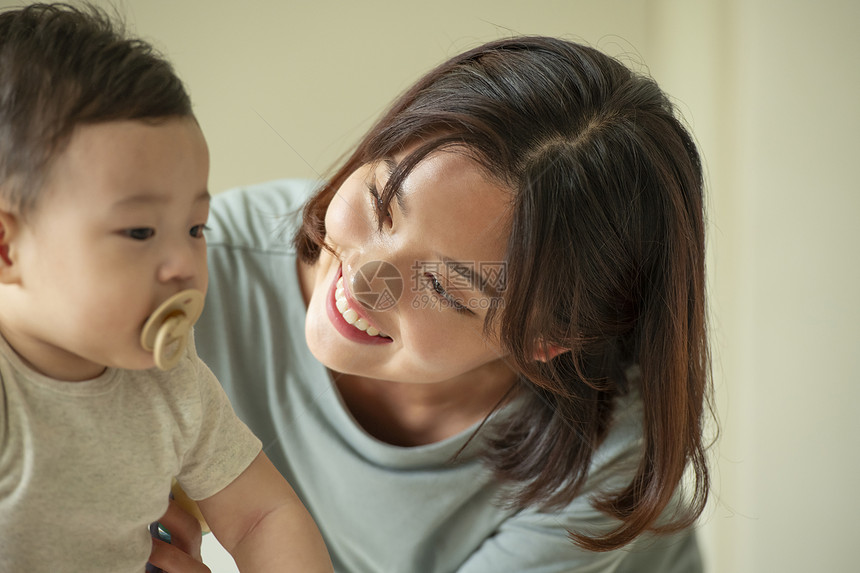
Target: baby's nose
pixel 180 262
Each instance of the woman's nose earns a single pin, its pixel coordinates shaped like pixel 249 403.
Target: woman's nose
pixel 377 284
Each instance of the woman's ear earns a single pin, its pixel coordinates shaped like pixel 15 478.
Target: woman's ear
pixel 8 230
pixel 546 352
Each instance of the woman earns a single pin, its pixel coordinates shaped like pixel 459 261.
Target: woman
pixel 504 363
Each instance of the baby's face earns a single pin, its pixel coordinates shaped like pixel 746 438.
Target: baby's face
pixel 117 230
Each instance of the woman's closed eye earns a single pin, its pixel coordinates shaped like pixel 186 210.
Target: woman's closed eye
pixel 446 297
pixel 383 214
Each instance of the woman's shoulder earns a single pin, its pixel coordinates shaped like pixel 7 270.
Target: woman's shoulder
pixel 260 216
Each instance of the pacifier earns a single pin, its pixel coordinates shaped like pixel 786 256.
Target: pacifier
pixel 188 504
pixel 166 331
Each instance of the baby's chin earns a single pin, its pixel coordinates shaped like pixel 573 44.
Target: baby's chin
pixel 134 359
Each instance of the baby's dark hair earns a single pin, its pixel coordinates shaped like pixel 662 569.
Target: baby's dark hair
pixel 62 66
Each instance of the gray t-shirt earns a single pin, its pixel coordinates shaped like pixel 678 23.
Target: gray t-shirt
pixel 85 467
pixel 381 508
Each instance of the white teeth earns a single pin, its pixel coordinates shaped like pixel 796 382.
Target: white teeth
pixel 349 315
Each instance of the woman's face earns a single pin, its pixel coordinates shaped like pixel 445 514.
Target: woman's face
pixel 413 296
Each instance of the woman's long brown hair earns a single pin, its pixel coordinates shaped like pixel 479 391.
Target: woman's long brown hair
pixel 606 259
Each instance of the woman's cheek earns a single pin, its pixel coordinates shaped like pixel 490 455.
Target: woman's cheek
pixel 340 219
pixel 429 337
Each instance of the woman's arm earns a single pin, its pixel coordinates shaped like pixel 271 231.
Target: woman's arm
pixel 262 523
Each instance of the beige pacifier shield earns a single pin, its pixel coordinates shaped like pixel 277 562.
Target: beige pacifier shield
pixel 165 333
pixel 189 505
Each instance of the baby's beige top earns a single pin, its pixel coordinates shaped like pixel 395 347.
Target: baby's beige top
pixel 86 466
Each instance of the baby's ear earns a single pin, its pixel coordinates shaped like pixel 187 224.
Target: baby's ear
pixel 8 230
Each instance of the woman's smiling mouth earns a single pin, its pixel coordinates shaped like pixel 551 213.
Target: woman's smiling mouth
pixel 347 318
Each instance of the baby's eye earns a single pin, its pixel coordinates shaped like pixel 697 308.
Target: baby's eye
pixel 140 233
pixel 197 231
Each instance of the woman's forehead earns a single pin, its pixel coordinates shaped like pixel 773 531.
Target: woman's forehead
pixel 449 195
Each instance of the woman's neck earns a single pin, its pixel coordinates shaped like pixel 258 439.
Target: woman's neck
pixel 406 414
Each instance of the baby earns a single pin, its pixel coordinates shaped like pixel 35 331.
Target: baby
pixel 103 401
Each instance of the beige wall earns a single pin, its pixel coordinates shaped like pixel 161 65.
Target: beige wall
pixel 775 102
pixel 285 88
pixel 772 91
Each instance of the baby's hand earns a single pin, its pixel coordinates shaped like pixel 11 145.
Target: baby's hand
pixel 182 554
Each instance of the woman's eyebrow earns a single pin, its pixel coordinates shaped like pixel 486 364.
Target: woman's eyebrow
pixel 390 166
pixel 475 279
